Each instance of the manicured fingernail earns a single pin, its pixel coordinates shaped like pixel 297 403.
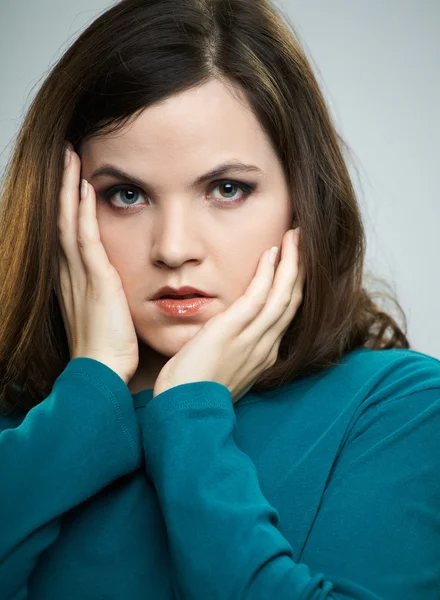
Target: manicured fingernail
pixel 84 188
pixel 66 156
pixel 273 255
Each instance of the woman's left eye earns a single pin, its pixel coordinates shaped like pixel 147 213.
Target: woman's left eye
pixel 129 190
pixel 246 188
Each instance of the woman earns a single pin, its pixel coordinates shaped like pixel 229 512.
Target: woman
pixel 274 439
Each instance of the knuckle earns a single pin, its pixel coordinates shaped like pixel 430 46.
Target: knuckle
pixel 62 225
pixel 84 239
pixel 258 301
pixel 299 297
pixel 271 360
pixel 248 345
pixel 81 241
pixel 274 354
pixel 284 302
pixel 62 286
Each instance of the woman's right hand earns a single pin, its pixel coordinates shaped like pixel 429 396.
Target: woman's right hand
pixel 92 298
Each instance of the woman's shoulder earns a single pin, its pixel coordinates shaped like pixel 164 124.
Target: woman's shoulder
pixel 362 381
pixel 391 390
pixel 359 377
pixel 400 370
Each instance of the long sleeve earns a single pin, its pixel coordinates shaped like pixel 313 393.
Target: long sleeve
pixel 377 534
pixel 78 440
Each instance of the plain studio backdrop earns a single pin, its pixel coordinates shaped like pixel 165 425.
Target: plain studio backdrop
pixel 378 63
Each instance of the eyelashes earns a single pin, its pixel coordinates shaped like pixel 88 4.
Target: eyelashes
pixel 246 188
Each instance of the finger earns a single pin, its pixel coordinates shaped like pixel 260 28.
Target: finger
pixel 281 294
pixel 68 217
pixel 285 276
pixel 69 262
pixel 244 310
pixel 274 335
pixel 94 256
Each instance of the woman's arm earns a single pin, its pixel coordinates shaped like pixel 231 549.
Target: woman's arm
pixel 82 437
pixel 377 533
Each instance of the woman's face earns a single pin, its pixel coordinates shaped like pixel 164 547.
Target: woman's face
pixel 209 236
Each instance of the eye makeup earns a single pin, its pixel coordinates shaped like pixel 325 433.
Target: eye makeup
pixel 246 188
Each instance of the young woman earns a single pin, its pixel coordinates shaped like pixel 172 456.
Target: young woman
pixel 275 438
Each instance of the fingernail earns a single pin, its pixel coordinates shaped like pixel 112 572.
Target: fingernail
pixel 66 156
pixel 273 255
pixel 297 235
pixel 84 188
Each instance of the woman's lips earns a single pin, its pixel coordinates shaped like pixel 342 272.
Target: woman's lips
pixel 179 307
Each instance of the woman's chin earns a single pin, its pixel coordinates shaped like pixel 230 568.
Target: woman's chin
pixel 169 342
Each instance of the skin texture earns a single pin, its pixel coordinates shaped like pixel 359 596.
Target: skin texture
pixel 210 237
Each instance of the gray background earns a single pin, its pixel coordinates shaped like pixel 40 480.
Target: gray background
pixel 378 62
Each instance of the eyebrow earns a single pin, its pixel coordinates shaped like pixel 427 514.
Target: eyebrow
pixel 113 171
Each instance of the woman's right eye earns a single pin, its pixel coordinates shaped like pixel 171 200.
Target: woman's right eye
pixel 129 195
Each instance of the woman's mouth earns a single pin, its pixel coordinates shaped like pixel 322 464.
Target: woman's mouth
pixel 185 306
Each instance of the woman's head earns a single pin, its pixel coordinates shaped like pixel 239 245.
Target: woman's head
pixel 169 230
pixel 166 90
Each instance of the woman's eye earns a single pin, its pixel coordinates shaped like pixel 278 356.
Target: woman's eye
pixel 231 187
pixel 129 195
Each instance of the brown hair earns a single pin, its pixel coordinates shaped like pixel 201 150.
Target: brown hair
pixel 135 54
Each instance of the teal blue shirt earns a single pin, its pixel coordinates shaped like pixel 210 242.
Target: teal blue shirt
pixel 327 487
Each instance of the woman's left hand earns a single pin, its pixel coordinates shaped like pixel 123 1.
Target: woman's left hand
pixel 235 347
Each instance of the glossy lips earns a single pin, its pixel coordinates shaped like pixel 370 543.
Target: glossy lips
pixel 182 308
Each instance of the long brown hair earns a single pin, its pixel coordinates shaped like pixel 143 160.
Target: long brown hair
pixel 135 54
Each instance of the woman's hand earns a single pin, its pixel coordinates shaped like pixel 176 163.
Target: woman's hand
pixel 91 296
pixel 235 347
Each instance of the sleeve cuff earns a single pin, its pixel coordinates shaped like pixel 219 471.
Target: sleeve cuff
pixel 195 394
pixel 115 390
